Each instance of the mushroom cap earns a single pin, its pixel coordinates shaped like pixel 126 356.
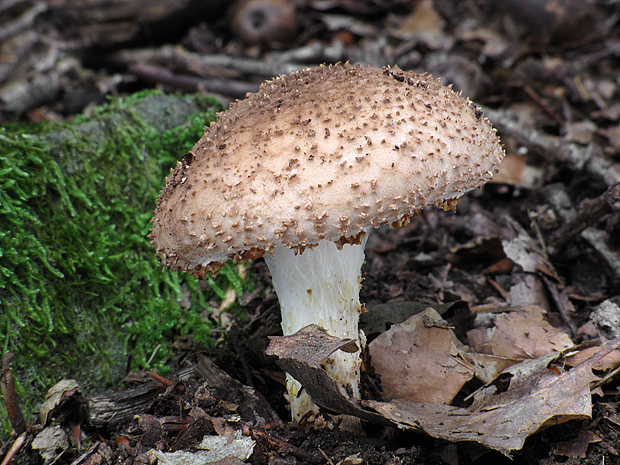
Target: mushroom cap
pixel 320 154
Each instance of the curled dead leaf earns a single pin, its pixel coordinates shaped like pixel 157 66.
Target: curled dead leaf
pixel 302 354
pixel 56 396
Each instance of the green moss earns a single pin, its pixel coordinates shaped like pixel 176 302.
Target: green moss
pixel 81 292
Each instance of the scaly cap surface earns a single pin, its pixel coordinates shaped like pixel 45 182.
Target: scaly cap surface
pixel 319 155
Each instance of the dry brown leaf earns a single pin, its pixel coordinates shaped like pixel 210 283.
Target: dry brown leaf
pixel 516 171
pixel 494 44
pixel 606 364
pixel 420 360
pixel 518 334
pixel 379 318
pixel 424 24
pixel 522 400
pixel 488 367
pixel 576 447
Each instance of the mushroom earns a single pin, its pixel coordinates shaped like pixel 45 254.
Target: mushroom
pixel 302 170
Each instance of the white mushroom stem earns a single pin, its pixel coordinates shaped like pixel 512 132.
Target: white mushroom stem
pixel 321 286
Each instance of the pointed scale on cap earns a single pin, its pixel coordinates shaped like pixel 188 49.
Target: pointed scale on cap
pixel 317 155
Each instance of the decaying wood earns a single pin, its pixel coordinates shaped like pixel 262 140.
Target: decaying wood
pixel 109 411
pixel 44 45
pixel 558 198
pixel 107 22
pixel 209 65
pixel 256 405
pixel 117 408
pixel 589 212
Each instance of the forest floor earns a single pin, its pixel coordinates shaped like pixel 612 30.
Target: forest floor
pixel 525 273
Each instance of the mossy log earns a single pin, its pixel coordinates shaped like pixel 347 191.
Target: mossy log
pixel 81 293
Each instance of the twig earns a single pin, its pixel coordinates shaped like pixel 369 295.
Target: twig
pixel 173 58
pixel 329 461
pixel 24 22
pixel 159 74
pixel 612 374
pixel 589 158
pixel 557 197
pixel 19 442
pixel 562 303
pixel 531 93
pixel 153 354
pixel 157 377
pixel 83 457
pixel 277 443
pixel 249 66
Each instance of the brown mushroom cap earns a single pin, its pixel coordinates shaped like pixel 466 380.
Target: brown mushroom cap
pixel 318 155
